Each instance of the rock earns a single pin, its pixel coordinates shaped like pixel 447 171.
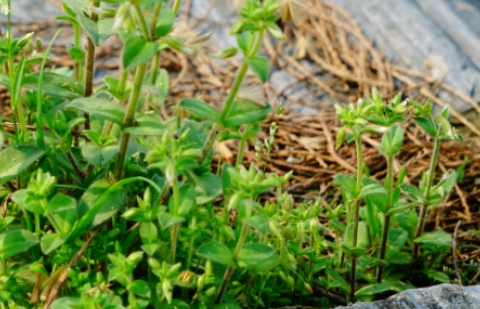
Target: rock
pixel 444 296
pixel 441 37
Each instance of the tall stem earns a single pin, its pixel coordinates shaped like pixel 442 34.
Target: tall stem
pixel 428 187
pixel 358 142
pixel 129 119
pixel 176 7
pixel 386 226
pixel 176 227
pixel 89 64
pixel 228 272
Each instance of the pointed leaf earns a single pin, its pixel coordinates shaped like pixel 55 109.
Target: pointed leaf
pixel 50 242
pixel 260 66
pixel 258 222
pixel 252 254
pixel 137 51
pixel 148 125
pixel 15 160
pixel 216 252
pixel 16 241
pixel 200 108
pixel 62 213
pixel 103 109
pixel 246 113
pixel 372 289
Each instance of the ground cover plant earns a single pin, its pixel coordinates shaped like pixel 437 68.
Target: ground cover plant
pixel 107 204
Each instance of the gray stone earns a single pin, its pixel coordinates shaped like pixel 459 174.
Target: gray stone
pixel 444 296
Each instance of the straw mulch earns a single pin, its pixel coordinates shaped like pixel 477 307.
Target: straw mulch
pixel 346 67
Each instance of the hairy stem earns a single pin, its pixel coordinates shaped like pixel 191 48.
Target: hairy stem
pixel 228 272
pixel 358 142
pixel 89 65
pixel 389 187
pixel 129 119
pixel 428 187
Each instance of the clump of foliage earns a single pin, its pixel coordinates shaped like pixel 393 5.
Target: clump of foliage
pixel 106 204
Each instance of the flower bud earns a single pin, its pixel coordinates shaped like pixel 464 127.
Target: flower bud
pixel 24 40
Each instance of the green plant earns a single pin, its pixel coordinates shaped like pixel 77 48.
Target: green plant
pixel 107 204
pixel 386 202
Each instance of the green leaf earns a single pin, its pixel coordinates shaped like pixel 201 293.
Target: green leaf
pixel 426 125
pixel 114 202
pixel 347 183
pixel 162 85
pixel 99 156
pixel 243 112
pixel 216 252
pixel 99 31
pixel 50 242
pixel 17 159
pixel 371 189
pixel 372 289
pixel 55 84
pixel 362 236
pixel 62 213
pixel 103 109
pixel 16 241
pixel 167 220
pixel 32 203
pixel 148 125
pixel 258 222
pixel 439 238
pixel 208 187
pixel 67 302
pixel 392 141
pixel 252 254
pixel 139 288
pixel 137 51
pixel 260 66
pixel 437 275
pixel 164 21
pixel 412 191
pixel 200 108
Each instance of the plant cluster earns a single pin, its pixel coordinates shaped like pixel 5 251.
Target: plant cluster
pixel 106 204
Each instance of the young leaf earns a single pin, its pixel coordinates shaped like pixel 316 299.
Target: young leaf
pixel 372 289
pixel 17 159
pixel 258 222
pixel 55 84
pixel 347 183
pixel 252 254
pixel 148 125
pixel 113 203
pixel 200 108
pixel 245 113
pixel 439 238
pixel 139 288
pixel 62 213
pixel 216 252
pixel 50 242
pixel 260 66
pixel 164 21
pixel 137 51
pixel 426 125
pixel 16 241
pixel 103 109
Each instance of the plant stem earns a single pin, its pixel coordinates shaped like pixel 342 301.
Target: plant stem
pixel 176 227
pixel 241 149
pixel 389 188
pixel 233 91
pixel 39 120
pixel 428 187
pixel 89 65
pixel 176 7
pixel 358 142
pixel 228 273
pixel 129 119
